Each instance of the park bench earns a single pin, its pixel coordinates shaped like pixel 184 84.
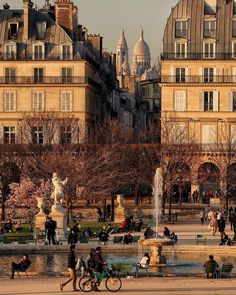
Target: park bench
pixel 122 269
pixel 226 270
pixel 200 239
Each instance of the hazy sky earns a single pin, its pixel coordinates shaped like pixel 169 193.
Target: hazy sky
pixel 108 17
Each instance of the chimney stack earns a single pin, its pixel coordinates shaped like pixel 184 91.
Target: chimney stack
pixel 28 5
pixel 66 12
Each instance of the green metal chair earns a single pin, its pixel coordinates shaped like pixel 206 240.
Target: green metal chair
pixel 226 270
pixel 122 269
pixel 211 269
pixel 200 239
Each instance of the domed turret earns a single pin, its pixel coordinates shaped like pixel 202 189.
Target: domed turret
pixel 141 55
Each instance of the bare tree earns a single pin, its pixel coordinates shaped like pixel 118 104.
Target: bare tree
pixel 224 151
pixel 174 151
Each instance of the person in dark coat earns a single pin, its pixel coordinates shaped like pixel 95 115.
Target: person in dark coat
pixel 99 265
pixel 71 269
pixel 221 225
pixel 149 233
pixel 50 228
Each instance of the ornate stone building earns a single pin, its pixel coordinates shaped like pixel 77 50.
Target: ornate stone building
pixel 48 63
pixel 198 85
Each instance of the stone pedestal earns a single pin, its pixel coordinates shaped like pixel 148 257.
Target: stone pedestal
pixel 215 202
pixel 120 210
pixel 156 257
pixel 59 215
pixel 40 218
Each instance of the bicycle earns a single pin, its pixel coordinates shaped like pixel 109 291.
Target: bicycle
pixel 112 283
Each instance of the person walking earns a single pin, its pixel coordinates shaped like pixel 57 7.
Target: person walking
pixel 202 216
pixel 71 269
pixel 214 224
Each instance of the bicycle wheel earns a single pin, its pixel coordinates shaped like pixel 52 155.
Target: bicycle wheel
pixel 86 284
pixel 113 284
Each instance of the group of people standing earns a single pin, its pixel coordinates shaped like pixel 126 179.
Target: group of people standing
pixel 217 222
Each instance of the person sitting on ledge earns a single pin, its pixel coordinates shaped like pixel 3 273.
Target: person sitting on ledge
pixel 149 233
pixel 23 265
pixel 122 226
pixel 19 227
pixel 224 240
pixel 166 233
pixel 128 238
pixel 144 262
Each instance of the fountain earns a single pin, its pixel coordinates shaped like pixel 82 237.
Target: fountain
pixel 156 244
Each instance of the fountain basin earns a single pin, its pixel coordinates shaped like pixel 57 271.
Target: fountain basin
pixel 156 257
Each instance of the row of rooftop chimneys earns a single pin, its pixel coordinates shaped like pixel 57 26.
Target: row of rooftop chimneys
pixel 66 16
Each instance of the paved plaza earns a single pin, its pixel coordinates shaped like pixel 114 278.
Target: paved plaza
pixel 159 286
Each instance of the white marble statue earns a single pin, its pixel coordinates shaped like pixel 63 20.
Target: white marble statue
pixel 58 192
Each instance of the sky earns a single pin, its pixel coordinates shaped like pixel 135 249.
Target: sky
pixel 108 17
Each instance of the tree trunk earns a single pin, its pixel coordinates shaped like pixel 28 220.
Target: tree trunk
pixel 163 204
pixel 136 194
pixel 104 209
pixel 170 208
pixel 112 208
pixel 3 215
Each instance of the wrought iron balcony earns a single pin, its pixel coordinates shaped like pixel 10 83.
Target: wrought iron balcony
pixel 198 55
pixel 199 79
pixel 43 80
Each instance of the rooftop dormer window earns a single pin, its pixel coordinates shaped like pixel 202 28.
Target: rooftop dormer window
pixel 41 30
pixel 181 29
pixel 66 51
pixel 10 50
pixel 39 51
pixel 209 29
pixel 12 31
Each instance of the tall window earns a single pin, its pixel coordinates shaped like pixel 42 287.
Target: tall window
pixel 10 51
pixel 9 135
pixel 209 29
pixel 208 134
pixel 41 30
pixel 180 50
pixel 180 134
pixel 37 135
pixel 232 101
pixel 210 101
pixel 234 49
pixel 38 53
pixel 66 135
pixel 38 101
pixel 38 75
pixel 66 101
pixel 10 75
pixel 180 74
pixel 66 74
pixel 10 101
pixel 209 49
pixel 12 31
pixel 180 101
pixel 66 52
pixel 234 28
pixel 208 75
pixel 181 29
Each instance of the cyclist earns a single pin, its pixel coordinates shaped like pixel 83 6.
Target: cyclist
pixel 99 266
